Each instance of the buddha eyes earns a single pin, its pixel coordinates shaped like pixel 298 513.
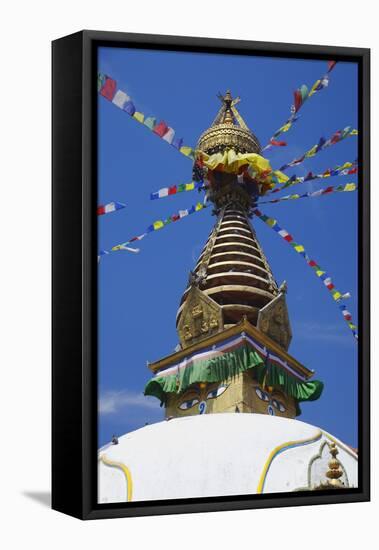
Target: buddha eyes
pixel 274 402
pixel 188 404
pixel 262 395
pixel 217 392
pixel 278 405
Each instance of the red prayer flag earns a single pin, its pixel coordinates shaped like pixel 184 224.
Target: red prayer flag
pixel 172 190
pixel 336 137
pixel 278 143
pixel 288 238
pixel 161 129
pixel 298 100
pixel 109 89
pixel 331 65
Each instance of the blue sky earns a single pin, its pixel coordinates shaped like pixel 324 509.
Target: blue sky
pixel 139 293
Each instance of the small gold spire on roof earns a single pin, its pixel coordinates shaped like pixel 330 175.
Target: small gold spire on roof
pixel 334 473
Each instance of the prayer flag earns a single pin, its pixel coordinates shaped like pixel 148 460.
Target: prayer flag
pixel 120 99
pixel 169 136
pixel 150 122
pixel 160 129
pixel 187 151
pixel 129 108
pixel 158 225
pixel 110 207
pixel 109 88
pixel 278 143
pixel 177 143
pixel 100 81
pixel 139 116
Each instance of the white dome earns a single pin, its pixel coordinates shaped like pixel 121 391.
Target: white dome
pixel 218 455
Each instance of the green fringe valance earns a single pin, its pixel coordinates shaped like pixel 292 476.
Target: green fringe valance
pixel 228 365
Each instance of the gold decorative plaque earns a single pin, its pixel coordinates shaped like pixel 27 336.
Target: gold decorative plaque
pixel 200 318
pixel 273 320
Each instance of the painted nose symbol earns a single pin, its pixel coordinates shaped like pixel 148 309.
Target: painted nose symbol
pixel 202 407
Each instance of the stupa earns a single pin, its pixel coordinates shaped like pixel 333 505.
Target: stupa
pixel 234 334
pixel 232 322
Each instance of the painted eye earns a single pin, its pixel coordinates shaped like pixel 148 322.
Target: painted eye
pixel 261 394
pixel 188 404
pixel 217 391
pixel 278 405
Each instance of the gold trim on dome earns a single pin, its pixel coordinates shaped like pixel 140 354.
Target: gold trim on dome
pixel 228 136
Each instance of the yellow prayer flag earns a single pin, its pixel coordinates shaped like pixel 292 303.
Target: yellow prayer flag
pixel 139 116
pixel 158 224
pixel 299 248
pixel 190 186
pixel 199 206
pixel 337 295
pixel 319 272
pixel 350 187
pixel 187 151
pixel 311 152
pixel 353 132
pixel 286 127
pixel 313 89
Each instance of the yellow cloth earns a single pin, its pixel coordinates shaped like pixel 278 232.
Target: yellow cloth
pixel 231 162
pixel 282 178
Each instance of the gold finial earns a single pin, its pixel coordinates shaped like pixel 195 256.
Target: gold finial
pixel 228 119
pixel 227 100
pixel 228 97
pixel 335 471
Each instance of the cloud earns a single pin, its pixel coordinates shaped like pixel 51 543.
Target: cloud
pixel 322 332
pixel 114 402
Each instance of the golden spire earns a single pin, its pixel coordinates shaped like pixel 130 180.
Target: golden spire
pixel 227 100
pixel 228 130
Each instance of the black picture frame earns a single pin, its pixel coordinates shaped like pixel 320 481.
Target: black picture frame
pixel 74 269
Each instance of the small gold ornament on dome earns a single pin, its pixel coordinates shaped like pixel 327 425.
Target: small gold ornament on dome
pixel 334 473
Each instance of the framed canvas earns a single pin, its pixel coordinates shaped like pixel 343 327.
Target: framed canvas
pixel 210 275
